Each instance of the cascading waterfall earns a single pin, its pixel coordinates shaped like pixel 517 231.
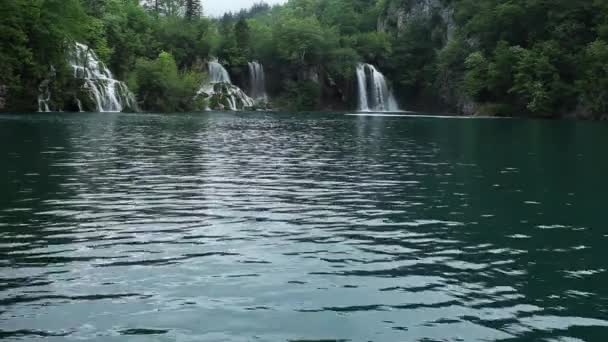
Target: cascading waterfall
pixel 257 81
pixel 220 91
pixel 374 93
pixel 108 94
pixel 217 73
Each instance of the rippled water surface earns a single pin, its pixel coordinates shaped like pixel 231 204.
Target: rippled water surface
pixel 301 227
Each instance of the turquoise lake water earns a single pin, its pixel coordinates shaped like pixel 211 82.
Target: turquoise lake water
pixel 301 227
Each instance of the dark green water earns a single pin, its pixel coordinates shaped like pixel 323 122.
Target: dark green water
pixel 301 227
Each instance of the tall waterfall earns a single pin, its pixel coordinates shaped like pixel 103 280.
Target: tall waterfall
pixel 257 81
pixel 108 94
pixel 374 93
pixel 221 93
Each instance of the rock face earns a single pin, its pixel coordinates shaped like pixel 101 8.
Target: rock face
pixel 397 15
pixel 400 13
pixel 108 94
pixel 219 92
pixel 226 96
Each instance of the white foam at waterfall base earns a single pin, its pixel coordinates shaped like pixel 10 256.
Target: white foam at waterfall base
pixel 108 94
pixel 219 85
pixel 373 91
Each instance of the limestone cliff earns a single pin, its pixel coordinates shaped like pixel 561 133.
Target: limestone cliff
pixel 398 15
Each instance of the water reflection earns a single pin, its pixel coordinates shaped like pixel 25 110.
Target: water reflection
pixel 233 227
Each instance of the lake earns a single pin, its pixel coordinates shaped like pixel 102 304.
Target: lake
pixel 301 227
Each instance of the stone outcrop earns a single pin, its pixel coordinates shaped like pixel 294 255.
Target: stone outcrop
pixel 225 96
pixel 398 14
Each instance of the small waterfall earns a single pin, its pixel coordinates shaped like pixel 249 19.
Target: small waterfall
pixel 374 93
pixel 108 94
pixel 44 98
pixel 44 92
pixel 257 81
pixel 220 91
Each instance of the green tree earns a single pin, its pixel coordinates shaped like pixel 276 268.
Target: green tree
pixel 535 79
pixel 475 80
pixel 300 41
pixel 374 47
pixel 242 35
pixel 160 86
pixel 414 57
pixel 193 9
pixel 594 80
pixel 36 34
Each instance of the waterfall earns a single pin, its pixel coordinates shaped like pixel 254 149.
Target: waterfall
pixel 221 93
pixel 374 93
pixel 217 73
pixel 44 98
pixel 362 85
pixel 257 81
pixel 44 91
pixel 108 94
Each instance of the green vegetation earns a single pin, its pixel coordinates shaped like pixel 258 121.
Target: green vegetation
pixel 528 57
pixel 161 87
pixel 532 57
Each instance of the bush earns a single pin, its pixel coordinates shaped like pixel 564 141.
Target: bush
pixel 161 87
pixel 594 80
pixel 301 96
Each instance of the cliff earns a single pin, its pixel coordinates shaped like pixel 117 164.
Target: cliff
pixel 398 14
pixel 440 29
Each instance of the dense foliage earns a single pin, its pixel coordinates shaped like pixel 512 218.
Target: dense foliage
pixel 534 57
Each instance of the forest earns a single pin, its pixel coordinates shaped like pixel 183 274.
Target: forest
pixel 546 58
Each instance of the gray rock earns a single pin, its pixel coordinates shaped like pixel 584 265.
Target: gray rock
pixel 399 14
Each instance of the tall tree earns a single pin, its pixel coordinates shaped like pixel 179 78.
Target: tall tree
pixel 168 8
pixel 241 32
pixel 193 9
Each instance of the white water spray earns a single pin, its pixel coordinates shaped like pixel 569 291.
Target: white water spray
pixel 220 87
pixel 257 81
pixel 108 94
pixel 217 73
pixel 374 93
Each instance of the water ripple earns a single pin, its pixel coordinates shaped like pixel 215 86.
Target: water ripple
pixel 296 228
